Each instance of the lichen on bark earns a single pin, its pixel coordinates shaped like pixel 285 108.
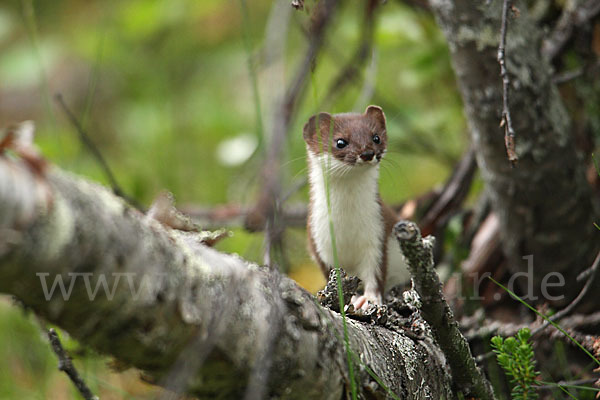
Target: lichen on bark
pixel 544 205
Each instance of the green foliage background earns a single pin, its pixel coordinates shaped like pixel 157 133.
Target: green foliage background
pixel 161 84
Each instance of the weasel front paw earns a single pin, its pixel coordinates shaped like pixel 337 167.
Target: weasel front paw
pixel 362 302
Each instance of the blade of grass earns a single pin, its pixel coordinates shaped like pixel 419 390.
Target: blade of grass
pixel 325 172
pixel 566 391
pixel 578 387
pixel 92 83
pixel 598 172
pixel 252 71
pixel 31 24
pixel 554 324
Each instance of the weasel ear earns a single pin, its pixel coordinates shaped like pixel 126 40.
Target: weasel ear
pixel 376 114
pixel 324 121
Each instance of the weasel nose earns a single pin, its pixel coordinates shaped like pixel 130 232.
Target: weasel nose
pixel 367 155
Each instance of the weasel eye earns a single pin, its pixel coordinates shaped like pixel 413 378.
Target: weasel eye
pixel 341 143
pixel 376 139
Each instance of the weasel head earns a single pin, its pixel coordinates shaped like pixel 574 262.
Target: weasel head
pixel 353 139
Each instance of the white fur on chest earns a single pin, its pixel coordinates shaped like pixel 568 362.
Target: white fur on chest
pixel 355 213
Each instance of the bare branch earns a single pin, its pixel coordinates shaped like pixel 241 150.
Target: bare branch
pixel 568 76
pixel 576 13
pixel 474 329
pixel 264 214
pixel 591 274
pixel 66 365
pixel 453 194
pixel 436 311
pixel 350 72
pixel 509 132
pixel 233 215
pixel 441 204
pixel 267 202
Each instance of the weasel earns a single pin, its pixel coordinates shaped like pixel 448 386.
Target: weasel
pixel 347 155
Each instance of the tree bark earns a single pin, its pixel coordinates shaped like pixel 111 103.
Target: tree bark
pixel 195 320
pixel 436 311
pixel 545 205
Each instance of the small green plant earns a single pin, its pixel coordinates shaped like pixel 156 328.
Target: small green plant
pixel 515 356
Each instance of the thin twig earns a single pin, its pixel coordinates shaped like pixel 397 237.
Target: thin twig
pixel 575 14
pixel 509 133
pixel 591 273
pixel 264 213
pixel 294 189
pixel 85 139
pixel 367 90
pixel 351 71
pixel 291 216
pixel 476 329
pixel 66 365
pixel 452 195
pixel 294 215
pixel 568 76
pixel 233 216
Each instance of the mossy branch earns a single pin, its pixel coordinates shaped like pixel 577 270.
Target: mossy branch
pixel 436 311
